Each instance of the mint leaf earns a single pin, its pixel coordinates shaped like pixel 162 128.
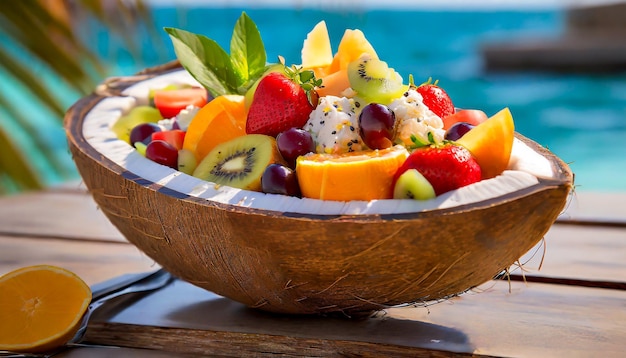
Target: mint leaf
pixel 247 52
pixel 205 60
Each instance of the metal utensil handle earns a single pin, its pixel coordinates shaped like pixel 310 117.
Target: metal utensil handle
pixel 153 282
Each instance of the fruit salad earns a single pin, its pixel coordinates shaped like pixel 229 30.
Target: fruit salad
pixel 341 125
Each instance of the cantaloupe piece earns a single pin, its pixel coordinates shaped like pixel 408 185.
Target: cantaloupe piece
pixel 316 49
pixel 352 45
pixel 491 143
pixel 334 84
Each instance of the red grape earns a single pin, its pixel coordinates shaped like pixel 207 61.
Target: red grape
pixel 279 179
pixel 143 133
pixel 457 130
pixel 376 123
pixel 163 153
pixel 293 143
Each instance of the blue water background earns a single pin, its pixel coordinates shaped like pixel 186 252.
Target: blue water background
pixel 579 117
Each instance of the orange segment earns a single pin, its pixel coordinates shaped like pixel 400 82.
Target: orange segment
pixel 41 308
pixel 364 175
pixel 219 121
pixel 491 143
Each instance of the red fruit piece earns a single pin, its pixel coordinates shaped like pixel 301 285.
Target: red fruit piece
pixel 293 143
pixel 471 116
pixel 436 99
pixel 281 102
pixel 376 126
pixel 175 137
pixel 171 101
pixel 163 153
pixel 446 167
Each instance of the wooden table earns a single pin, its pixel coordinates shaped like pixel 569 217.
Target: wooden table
pixel 574 306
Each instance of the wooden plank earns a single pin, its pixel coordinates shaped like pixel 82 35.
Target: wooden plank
pixel 595 254
pixel 527 321
pixel 55 213
pixel 595 207
pixel 108 352
pixel 92 261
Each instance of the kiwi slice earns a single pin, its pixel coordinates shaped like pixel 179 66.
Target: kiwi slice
pixel 240 162
pixel 413 185
pixel 373 80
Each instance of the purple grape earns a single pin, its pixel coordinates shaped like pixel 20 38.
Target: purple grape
pixel 279 179
pixel 376 123
pixel 163 153
pixel 143 133
pixel 458 130
pixel 293 143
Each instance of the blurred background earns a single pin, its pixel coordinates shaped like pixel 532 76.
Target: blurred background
pixel 559 65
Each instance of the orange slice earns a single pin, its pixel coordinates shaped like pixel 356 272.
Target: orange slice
pixel 41 308
pixel 363 175
pixel 491 143
pixel 219 121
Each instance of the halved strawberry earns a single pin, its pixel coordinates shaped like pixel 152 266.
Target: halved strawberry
pixel 446 167
pixel 436 99
pixel 282 101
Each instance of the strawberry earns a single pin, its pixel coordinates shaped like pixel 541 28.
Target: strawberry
pixel 446 167
pixel 436 99
pixel 282 101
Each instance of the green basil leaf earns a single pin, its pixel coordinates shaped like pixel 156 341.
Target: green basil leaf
pixel 205 60
pixel 247 52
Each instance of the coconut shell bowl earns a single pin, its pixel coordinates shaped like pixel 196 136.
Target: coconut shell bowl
pixel 305 256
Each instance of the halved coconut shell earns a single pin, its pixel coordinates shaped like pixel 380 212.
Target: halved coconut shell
pixel 313 263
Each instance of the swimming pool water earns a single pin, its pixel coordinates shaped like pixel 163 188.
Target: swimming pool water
pixel 580 117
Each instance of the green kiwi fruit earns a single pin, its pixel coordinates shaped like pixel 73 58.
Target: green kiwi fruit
pixel 186 161
pixel 374 81
pixel 413 185
pixel 240 162
pixel 136 116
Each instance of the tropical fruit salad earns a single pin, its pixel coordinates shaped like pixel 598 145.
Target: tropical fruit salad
pixel 341 125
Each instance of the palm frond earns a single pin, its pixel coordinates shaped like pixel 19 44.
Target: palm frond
pixel 20 70
pixel 51 36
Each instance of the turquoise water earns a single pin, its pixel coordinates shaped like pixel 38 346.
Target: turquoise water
pixel 581 118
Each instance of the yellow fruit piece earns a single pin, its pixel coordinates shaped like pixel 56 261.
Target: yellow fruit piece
pixel 138 115
pixel 41 308
pixel 352 45
pixel 332 70
pixel 316 49
pixel 363 175
pixel 219 121
pixel 491 143
pixel 335 77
